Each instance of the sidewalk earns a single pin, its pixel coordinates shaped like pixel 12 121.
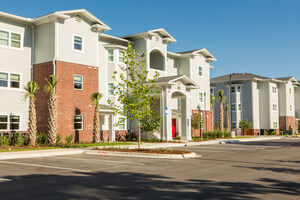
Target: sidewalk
pixel 71 151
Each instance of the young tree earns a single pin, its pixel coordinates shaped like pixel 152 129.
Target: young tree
pixel 95 97
pixel 245 125
pixel 141 93
pixel 50 88
pixel 212 103
pixel 221 98
pixel 196 121
pixel 227 117
pixel 30 90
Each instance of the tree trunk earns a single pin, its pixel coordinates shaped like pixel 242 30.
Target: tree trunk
pixel 212 117
pixel 139 143
pixel 227 120
pixel 32 129
pixel 221 117
pixel 52 107
pixel 96 131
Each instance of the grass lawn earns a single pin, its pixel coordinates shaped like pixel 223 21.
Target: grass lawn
pixel 156 151
pixel 82 145
pixel 241 137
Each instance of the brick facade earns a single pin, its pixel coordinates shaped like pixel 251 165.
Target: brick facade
pixel 206 121
pixel 287 122
pixel 70 101
pixel 251 132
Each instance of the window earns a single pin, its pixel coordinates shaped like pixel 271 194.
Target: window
pixel 290 90
pixel 239 88
pixel 233 125
pixel 121 123
pixel 78 122
pixel 3 79
pixel 200 97
pixel 14 122
pixel 200 71
pixel 121 56
pixel 275 107
pixel 10 39
pixel 4 38
pixel 233 107
pixel 3 122
pixel 78 41
pixel 111 89
pixel 275 125
pixel 240 107
pixel 274 89
pixel 110 55
pixel 291 107
pixel 78 82
pixel 232 89
pixel 15 40
pixel 14 80
pixel 212 90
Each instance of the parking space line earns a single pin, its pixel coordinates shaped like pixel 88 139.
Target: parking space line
pixel 108 161
pixel 45 166
pixel 5 179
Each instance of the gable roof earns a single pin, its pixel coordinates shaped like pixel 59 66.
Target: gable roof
pixel 202 51
pixel 170 80
pixel 238 77
pixel 166 36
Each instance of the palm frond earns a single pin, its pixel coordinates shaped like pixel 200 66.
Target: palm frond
pixel 95 97
pixel 30 90
pixel 51 84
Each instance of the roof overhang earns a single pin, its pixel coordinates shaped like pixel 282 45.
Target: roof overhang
pixel 183 78
pixel 115 46
pixel 15 17
pixel 204 52
pixel 167 38
pixel 114 38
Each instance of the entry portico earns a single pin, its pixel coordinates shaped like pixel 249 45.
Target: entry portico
pixel 175 105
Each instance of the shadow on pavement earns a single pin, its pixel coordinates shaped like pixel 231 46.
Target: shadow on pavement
pixel 125 185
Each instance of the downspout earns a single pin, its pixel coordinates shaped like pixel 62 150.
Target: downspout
pixel 32 51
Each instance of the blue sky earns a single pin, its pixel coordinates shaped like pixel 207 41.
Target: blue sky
pixel 256 36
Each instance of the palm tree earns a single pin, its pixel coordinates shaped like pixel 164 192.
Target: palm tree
pixel 222 98
pixel 95 97
pixel 30 90
pixel 212 103
pixel 50 88
pixel 227 117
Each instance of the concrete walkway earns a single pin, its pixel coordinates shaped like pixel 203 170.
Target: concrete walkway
pixel 59 152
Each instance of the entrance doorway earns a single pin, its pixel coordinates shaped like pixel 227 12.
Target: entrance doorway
pixel 173 128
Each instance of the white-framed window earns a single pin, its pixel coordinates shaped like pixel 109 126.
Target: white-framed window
pixel 77 43
pixel 121 123
pixel 233 89
pixel 10 122
pixel 110 54
pixel 78 82
pixel 239 88
pixel 10 39
pixel 111 90
pixel 240 107
pixel 121 56
pixel 275 107
pixel 290 90
pixel 10 80
pixel 291 107
pixel 78 122
pixel 233 107
pixel 274 90
pixel 212 91
pixel 3 122
pixel 275 125
pixel 200 73
pixel 233 125
pixel 201 97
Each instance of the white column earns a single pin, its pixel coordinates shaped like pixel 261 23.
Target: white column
pixel 188 118
pixel 112 136
pixel 168 117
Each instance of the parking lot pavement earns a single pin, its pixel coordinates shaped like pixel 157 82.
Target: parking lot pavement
pixel 254 170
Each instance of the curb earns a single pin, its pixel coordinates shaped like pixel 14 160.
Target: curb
pixel 142 155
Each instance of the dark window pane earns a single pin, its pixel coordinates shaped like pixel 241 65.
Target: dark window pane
pixel 14 119
pixel 3 83
pixel 77 126
pixel 14 126
pixel 3 118
pixel 14 84
pixel 78 85
pixel 3 126
pixel 78 118
pixel 77 46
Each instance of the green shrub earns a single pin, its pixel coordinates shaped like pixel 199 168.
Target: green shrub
pixel 58 139
pixel 212 135
pixel 273 133
pixel 42 139
pixel 17 140
pixel 227 134
pixel 69 139
pixel 4 140
pixel 151 140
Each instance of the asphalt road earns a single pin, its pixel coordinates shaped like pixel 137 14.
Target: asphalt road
pixel 252 170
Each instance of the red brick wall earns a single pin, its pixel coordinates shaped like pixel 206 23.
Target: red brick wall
pixel 71 101
pixel 207 122
pixel 285 123
pixel 252 132
pixel 40 72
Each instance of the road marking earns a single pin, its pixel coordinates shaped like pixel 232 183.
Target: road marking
pixel 109 161
pixel 45 166
pixel 228 148
pixel 5 179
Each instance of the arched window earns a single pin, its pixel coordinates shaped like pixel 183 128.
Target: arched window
pixel 157 60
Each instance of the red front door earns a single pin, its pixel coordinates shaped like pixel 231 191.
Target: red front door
pixel 173 128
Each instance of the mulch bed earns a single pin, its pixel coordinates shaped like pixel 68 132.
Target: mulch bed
pixel 157 151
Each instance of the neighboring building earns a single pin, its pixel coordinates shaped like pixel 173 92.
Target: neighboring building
pixel 72 46
pixel 269 104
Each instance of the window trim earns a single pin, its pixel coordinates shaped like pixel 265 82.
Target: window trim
pixel 9 40
pixel 122 123
pixel 73 42
pixel 119 56
pixel 291 107
pixel 234 107
pixel 113 55
pixel 234 122
pixel 82 126
pixel 234 89
pixel 109 89
pixel 275 90
pixel 201 71
pixel 8 122
pixel 202 97
pixel 8 84
pixel 74 81
pixel 274 104
pixel 275 127
pixel 239 104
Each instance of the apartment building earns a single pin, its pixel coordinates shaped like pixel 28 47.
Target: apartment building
pixel 73 46
pixel 268 103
